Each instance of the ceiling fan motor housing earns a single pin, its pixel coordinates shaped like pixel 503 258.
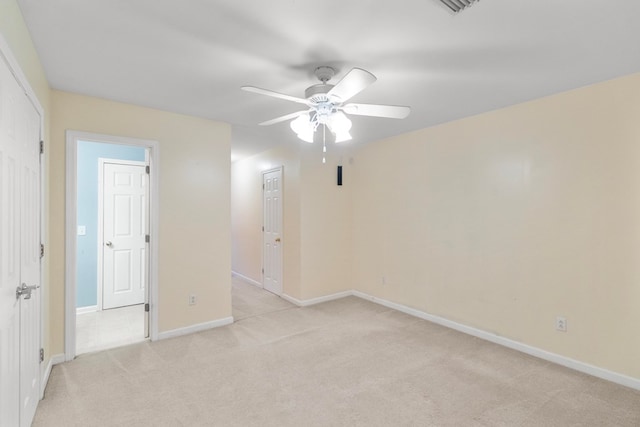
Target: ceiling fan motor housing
pixel 318 93
pixel 324 73
pixel 322 104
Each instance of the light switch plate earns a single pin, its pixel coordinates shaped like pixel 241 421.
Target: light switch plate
pixel 82 230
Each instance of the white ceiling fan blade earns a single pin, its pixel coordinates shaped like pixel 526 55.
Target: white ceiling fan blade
pixel 274 94
pixel 283 118
pixel 353 83
pixel 375 110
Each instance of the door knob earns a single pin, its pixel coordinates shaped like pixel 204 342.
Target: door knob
pixel 25 290
pixel 109 244
pixel 277 239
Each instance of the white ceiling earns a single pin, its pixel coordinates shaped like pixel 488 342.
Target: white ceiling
pixel 192 57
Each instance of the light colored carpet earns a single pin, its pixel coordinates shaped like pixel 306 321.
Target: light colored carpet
pixel 342 363
pixel 248 300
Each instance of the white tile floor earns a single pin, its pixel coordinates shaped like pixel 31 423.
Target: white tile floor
pixel 100 330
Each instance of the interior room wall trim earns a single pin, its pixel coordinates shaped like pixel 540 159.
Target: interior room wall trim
pixel 195 328
pixel 318 300
pixel 479 333
pixel 53 360
pixel 87 309
pixel 247 279
pixel 576 365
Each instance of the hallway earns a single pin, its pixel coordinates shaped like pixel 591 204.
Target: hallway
pixel 248 300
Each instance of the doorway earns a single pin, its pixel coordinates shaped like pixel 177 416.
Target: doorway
pixel 112 210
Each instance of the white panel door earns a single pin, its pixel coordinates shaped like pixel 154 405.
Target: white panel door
pixel 19 253
pixel 30 263
pixel 272 235
pixel 9 253
pixel 124 228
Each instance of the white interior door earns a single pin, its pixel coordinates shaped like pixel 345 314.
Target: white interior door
pixel 30 265
pixel 272 235
pixel 124 229
pixel 9 254
pixel 19 253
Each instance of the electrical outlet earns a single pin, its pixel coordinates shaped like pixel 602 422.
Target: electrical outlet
pixel 561 324
pixel 192 299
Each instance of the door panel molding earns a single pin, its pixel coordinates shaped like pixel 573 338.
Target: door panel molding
pixel 102 161
pixel 72 138
pixel 272 232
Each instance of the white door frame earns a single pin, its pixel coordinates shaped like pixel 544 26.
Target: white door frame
pixel 16 70
pixel 101 163
pixel 71 226
pixel 263 173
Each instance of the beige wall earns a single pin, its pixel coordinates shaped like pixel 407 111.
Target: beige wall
pixel 195 239
pixel 500 221
pixel 317 219
pixel 505 220
pixel 15 33
pixel 194 195
pixel 246 208
pixel 326 221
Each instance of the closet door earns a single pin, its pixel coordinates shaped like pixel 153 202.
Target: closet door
pixel 29 261
pixel 19 253
pixel 9 252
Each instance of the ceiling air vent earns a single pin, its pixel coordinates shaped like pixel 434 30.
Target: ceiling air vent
pixel 457 5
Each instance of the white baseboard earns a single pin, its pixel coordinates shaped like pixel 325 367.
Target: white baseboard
pixel 313 301
pixel 586 368
pixel 53 360
pixel 247 279
pixel 506 342
pixel 57 359
pixel 195 328
pixel 292 300
pixel 87 309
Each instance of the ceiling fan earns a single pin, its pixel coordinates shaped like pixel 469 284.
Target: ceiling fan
pixel 326 104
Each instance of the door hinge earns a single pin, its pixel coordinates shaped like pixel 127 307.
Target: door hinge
pixel 147 169
pixel 41 147
pixel 263 271
pixel 147 238
pixel 41 250
pixel 41 355
pixel 146 308
pixel 263 186
pixel 263 228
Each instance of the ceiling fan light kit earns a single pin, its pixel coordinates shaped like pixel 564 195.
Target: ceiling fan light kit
pixel 303 127
pixel 326 105
pixel 306 124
